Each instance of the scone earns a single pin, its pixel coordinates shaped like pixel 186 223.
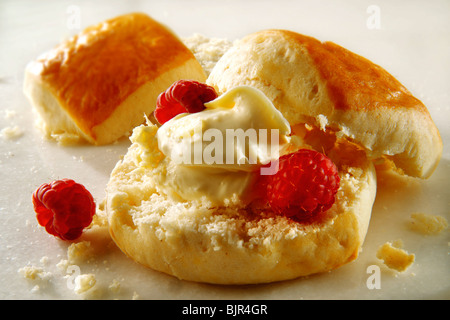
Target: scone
pixel 99 84
pixel 166 215
pixel 232 245
pixel 327 86
pixel 199 222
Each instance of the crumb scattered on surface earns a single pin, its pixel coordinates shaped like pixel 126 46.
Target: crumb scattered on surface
pixel 80 252
pixel 394 257
pixel 84 283
pixel 135 296
pixel 33 273
pixel 115 286
pixel 427 223
pixel 12 132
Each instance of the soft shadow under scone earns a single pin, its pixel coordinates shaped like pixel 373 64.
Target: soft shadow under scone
pixel 241 245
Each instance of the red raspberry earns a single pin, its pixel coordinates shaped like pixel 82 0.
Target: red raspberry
pixel 181 97
pixel 304 186
pixel 64 208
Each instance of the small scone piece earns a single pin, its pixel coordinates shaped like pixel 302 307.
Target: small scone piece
pixel 99 84
pixel 394 257
pixel 323 84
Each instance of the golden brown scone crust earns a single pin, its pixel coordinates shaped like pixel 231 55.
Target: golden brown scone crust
pixel 92 75
pixel 312 81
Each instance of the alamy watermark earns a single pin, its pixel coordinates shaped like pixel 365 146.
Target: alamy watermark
pixel 73 21
pixel 374 280
pixel 373 22
pixel 73 272
pixel 235 146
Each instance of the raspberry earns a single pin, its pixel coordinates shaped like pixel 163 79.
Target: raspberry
pixel 304 186
pixel 64 208
pixel 181 97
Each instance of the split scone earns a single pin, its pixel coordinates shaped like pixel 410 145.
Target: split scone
pixel 98 84
pixel 201 221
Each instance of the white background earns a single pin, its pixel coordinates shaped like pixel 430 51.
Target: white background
pixel 412 43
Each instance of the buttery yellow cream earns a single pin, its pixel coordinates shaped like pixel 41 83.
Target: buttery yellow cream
pixel 214 154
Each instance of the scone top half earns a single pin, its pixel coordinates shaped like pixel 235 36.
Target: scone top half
pixel 323 84
pixel 99 83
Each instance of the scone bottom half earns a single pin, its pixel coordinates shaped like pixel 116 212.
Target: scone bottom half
pixel 97 85
pixel 234 243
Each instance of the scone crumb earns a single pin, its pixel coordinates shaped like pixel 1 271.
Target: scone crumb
pixel 84 283
pixel 80 251
pixel 44 260
pixel 427 223
pixel 10 133
pixel 394 257
pixel 148 155
pixel 135 296
pixel 100 218
pixel 114 286
pixel 63 264
pixel 34 273
pixel 35 289
pixel 323 122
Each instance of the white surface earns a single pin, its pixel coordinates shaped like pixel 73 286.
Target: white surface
pixel 413 43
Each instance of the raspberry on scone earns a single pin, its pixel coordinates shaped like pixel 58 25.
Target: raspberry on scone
pixel 181 97
pixel 304 186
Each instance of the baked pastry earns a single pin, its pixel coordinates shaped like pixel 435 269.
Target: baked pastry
pixel 326 85
pixel 335 102
pixel 196 222
pixel 99 84
pixel 229 244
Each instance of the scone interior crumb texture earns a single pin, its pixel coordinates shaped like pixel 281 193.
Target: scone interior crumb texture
pixel 207 50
